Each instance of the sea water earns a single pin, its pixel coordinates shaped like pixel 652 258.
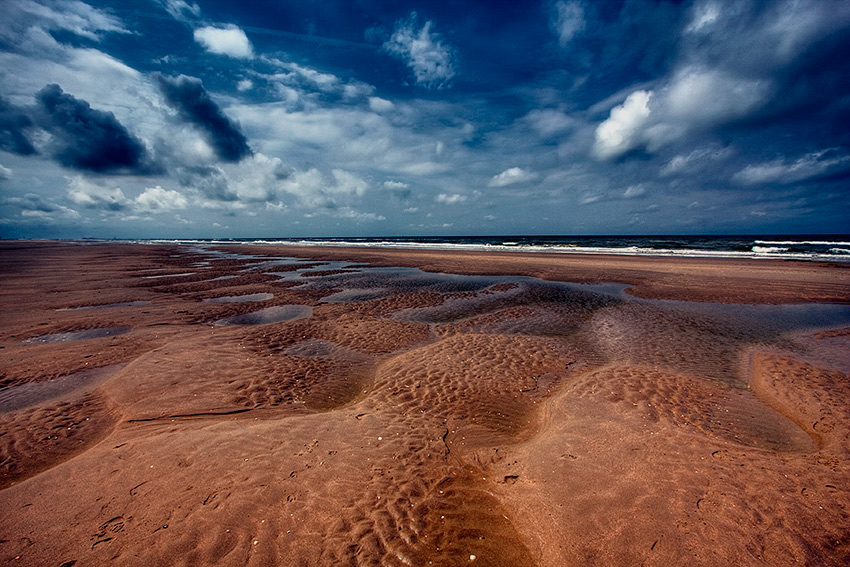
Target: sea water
pixel 789 247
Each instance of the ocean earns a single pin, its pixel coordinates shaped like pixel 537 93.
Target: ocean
pixel 790 247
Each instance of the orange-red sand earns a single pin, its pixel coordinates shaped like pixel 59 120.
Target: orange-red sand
pixel 402 418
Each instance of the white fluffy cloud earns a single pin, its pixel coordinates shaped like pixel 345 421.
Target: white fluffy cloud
pixel 101 195
pixel 256 179
pixel 348 183
pixel 568 20
pixel 314 189
pixel 96 195
pixel 694 98
pixel 622 132
pixel 698 95
pixel 353 137
pixel 157 199
pixel 511 176
pixel 732 62
pixel 423 52
pixel 229 40
pixel 5 173
pixel 377 104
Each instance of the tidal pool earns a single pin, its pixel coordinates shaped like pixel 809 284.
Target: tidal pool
pixel 78 335
pixel 241 298
pixel 276 314
pixel 62 388
pixel 106 306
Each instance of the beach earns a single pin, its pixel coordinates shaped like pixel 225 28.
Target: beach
pixel 265 405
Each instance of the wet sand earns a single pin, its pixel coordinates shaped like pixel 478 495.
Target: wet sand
pixel 170 405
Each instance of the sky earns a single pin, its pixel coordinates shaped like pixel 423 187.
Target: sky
pixel 296 118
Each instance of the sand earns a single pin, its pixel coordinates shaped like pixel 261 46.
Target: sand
pixel 169 405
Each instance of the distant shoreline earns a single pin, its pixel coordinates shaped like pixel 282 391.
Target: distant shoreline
pixel 803 247
pixel 695 279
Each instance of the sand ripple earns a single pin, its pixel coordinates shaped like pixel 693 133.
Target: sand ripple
pixel 385 416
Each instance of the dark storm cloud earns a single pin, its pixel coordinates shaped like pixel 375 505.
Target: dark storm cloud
pixel 13 123
pixel 188 96
pixel 88 139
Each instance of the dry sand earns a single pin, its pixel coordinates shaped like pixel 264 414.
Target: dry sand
pixel 381 416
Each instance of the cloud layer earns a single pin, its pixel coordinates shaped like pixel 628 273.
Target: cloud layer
pixel 291 118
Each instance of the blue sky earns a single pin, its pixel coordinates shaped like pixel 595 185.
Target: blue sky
pixel 167 118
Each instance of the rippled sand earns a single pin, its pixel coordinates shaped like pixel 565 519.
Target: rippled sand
pixel 359 415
